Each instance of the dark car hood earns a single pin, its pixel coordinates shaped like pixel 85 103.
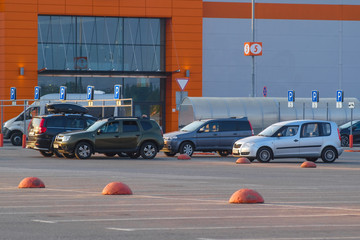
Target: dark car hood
pixel 177 133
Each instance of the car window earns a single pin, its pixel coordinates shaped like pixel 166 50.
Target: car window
pixel 130 126
pixel 146 125
pixel 228 126
pixel 55 122
pixel 210 127
pixel 89 121
pixel 288 131
pixel 111 127
pixel 243 126
pixel 325 129
pixel 74 123
pixel 310 130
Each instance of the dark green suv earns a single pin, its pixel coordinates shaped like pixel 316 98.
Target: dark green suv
pixel 132 136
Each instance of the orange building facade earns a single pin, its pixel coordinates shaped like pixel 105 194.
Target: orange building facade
pixel 19 42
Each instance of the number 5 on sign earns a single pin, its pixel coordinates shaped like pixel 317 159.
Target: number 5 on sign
pixel 253 48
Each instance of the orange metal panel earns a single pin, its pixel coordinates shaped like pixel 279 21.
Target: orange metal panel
pixel 158 3
pixel 132 3
pixel 187 4
pixel 52 2
pixel 187 12
pixel 158 12
pixel 79 9
pixel 52 9
pixel 132 12
pixel 12 7
pixel 106 11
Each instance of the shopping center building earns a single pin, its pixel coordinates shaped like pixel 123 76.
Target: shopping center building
pixel 148 45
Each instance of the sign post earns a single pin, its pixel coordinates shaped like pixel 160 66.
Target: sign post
pixel 315 98
pixel 351 106
pixel 339 98
pixel 291 98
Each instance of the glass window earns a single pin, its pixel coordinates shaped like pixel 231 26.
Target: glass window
pixel 228 126
pixel 325 129
pixel 130 126
pixel 55 122
pixel 77 123
pixel 288 131
pixel 146 125
pixel 112 127
pixel 102 43
pixel 310 130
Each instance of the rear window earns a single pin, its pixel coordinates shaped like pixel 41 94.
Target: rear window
pixel 55 122
pixel 74 123
pixel 228 126
pixel 35 122
pixel 146 125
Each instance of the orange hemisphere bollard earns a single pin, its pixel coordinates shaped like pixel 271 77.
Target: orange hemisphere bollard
pixel 350 141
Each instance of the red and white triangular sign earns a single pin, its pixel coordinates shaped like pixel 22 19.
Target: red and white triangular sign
pixel 182 82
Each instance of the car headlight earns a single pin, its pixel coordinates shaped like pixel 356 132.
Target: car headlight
pixel 66 138
pixel 247 145
pixel 170 138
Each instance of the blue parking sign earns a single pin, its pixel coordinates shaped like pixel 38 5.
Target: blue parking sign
pixel 117 91
pixel 291 96
pixel 13 93
pixel 315 96
pixel 339 96
pixel 37 93
pixel 90 93
pixel 62 95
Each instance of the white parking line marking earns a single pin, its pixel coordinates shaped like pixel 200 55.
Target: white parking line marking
pixel 42 221
pixel 310 238
pixel 233 227
pixel 198 218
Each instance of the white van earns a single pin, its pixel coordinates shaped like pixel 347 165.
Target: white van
pixel 104 105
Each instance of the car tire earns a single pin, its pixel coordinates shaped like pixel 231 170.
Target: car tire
pixel 187 148
pixel 109 154
pixel 328 155
pixel 344 140
pixel 169 154
pixel 148 150
pixel 311 159
pixel 16 139
pixel 224 153
pixel 264 155
pixel 83 150
pixel 133 155
pixel 68 155
pixel 57 154
pixel 46 153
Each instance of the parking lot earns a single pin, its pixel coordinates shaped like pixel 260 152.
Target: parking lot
pixel 177 199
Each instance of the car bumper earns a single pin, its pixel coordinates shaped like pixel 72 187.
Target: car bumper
pixel 63 147
pixel 6 133
pixel 340 151
pixel 40 144
pixel 245 152
pixel 170 146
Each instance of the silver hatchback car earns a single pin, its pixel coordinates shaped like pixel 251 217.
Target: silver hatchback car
pixel 309 139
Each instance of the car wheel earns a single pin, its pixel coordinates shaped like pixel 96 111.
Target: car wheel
pixel 83 150
pixel 224 153
pixel 109 154
pixel 57 154
pixel 148 150
pixel 344 140
pixel 328 155
pixel 311 159
pixel 46 153
pixel 187 148
pixel 16 139
pixel 133 155
pixel 169 154
pixel 264 155
pixel 68 155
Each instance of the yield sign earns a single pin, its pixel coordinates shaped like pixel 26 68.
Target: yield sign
pixel 182 82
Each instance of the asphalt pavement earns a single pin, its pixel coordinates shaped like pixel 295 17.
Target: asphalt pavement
pixel 177 199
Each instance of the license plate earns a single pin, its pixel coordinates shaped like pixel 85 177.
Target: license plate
pixel 56 146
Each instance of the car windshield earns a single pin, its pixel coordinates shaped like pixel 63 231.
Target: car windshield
pixel 346 125
pixel 96 125
pixel 269 131
pixel 192 126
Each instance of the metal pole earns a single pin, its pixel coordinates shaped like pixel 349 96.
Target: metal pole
pixel 2 119
pixel 253 40
pixel 327 111
pixel 24 130
pixel 304 111
pixel 351 132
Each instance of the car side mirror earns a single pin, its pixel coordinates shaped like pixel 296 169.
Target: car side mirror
pixel 279 135
pixel 99 132
pixel 201 130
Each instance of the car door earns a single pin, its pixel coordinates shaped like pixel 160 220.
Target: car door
pixel 108 137
pixel 207 137
pixel 228 134
pixel 130 135
pixel 286 141
pixel 310 139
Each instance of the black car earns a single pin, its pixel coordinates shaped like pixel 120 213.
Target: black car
pixel 345 132
pixel 43 129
